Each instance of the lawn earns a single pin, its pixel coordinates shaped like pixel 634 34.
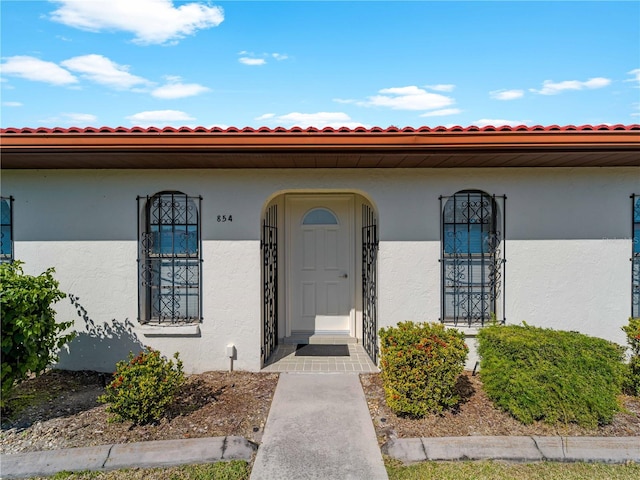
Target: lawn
pixel 234 470
pixel 489 470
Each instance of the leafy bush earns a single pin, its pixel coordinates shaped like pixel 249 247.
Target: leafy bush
pixel 549 375
pixel 143 387
pixel 421 363
pixel 31 338
pixel 632 382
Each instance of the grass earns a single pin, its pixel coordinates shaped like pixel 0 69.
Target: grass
pixel 233 470
pixel 490 470
pixel 485 470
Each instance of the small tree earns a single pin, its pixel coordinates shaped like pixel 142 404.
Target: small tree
pixel 31 337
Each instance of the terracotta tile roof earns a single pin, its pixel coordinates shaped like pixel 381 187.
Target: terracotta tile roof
pixel 423 147
pixel 439 129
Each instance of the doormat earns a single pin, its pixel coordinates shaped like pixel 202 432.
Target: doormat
pixel 315 350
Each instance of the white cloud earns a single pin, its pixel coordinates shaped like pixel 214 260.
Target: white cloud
pixel 70 120
pixel 255 59
pixel 151 21
pixel 441 87
pixel 442 113
pixel 506 94
pixel 160 118
pixel 176 89
pixel 636 76
pixel 252 61
pixel 84 118
pixel 104 71
pixel 266 116
pixel 37 70
pixel 317 120
pixel 407 98
pixel 344 100
pixel 498 122
pixel 552 88
pixel 11 104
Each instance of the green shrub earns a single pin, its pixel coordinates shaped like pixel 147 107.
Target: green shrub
pixel 553 376
pixel 143 387
pixel 420 364
pixel 31 338
pixel 632 382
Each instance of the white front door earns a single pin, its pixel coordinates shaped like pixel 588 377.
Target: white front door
pixel 320 264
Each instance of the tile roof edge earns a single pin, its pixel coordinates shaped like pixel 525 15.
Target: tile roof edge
pixel 318 131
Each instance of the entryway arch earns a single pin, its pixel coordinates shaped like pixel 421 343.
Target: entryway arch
pixel 319 269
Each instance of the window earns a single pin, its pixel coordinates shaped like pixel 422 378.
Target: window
pixel 635 257
pixel 471 258
pixel 6 229
pixel 169 258
pixel 320 216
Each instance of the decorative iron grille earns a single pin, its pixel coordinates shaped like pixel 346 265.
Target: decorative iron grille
pixel 635 257
pixel 472 257
pixel 6 229
pixel 169 261
pixel 269 246
pixel 370 246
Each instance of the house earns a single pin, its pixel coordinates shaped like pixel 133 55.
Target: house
pixel 196 240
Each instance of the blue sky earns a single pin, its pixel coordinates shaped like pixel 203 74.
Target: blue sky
pixel 241 63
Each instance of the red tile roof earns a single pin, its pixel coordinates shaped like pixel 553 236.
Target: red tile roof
pixel 423 147
pixel 440 129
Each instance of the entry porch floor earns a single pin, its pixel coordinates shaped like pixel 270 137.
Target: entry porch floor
pixel 284 360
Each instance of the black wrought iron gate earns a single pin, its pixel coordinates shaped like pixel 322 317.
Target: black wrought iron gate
pixel 269 246
pixel 370 282
pixel 635 257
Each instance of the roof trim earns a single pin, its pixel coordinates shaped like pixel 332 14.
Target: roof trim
pixel 136 147
pixel 424 129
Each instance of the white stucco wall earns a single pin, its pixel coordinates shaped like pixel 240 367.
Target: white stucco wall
pixel 567 247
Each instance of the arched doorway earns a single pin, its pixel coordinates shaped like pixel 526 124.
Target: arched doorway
pixel 319 271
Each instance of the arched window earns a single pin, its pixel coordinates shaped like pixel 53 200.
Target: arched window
pixel 6 229
pixel 471 260
pixel 320 216
pixel 169 258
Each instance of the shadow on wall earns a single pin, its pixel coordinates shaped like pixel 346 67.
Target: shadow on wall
pixel 99 347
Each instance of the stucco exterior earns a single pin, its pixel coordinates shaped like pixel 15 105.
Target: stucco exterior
pixel 567 245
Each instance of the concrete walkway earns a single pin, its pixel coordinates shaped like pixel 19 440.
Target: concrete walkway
pixel 319 427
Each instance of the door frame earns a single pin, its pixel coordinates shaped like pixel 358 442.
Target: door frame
pixel 290 198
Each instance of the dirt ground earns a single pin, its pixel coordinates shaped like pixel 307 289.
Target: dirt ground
pixel 65 413
pixel 210 404
pixel 477 416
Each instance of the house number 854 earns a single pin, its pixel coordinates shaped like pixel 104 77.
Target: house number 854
pixel 225 218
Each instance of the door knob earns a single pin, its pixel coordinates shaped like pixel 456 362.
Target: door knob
pixel 344 275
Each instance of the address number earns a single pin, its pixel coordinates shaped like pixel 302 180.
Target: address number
pixel 225 218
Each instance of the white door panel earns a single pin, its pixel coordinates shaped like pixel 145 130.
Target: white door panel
pixel 320 264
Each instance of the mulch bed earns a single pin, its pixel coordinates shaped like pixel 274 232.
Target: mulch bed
pixel 477 416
